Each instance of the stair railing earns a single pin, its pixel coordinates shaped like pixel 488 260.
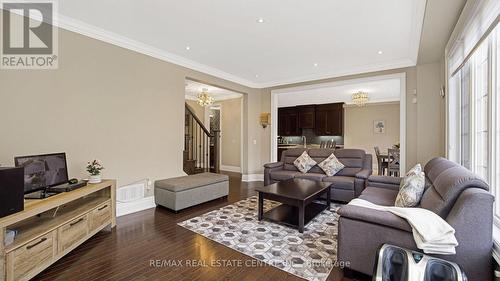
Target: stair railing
pixel 200 146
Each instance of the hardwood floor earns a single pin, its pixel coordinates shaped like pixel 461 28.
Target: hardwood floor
pixel 125 253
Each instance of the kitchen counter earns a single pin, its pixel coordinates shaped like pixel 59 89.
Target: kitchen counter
pixel 311 145
pixel 283 147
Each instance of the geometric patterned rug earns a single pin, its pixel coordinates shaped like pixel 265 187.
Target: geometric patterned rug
pixel 310 255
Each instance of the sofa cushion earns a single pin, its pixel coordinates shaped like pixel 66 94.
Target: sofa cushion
pixel 304 162
pixel 412 188
pixel 353 160
pixel 320 154
pixel 447 180
pixel 415 170
pixel 289 156
pixel 379 196
pixel 311 176
pixel 281 175
pixel 331 165
pixel 341 182
pixel 374 216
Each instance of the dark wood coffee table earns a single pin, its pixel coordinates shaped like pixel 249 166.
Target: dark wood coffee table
pixel 298 201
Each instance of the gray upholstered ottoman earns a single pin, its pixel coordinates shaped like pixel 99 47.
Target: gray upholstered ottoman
pixel 182 192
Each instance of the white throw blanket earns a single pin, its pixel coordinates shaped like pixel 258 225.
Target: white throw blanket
pixel 432 234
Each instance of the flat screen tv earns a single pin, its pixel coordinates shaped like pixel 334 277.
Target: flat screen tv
pixel 43 171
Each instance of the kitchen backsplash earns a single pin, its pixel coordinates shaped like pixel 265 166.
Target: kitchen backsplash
pixel 312 138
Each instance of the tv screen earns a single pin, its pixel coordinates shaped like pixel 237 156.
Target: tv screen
pixel 42 171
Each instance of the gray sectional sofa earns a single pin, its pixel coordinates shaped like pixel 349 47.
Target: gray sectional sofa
pixel 346 184
pixel 452 192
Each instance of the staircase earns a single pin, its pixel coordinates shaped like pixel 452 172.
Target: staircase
pixel 201 147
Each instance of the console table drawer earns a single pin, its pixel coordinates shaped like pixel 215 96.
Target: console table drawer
pixel 72 232
pixel 100 216
pixel 26 261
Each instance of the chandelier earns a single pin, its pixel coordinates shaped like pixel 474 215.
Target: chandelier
pixel 204 98
pixel 360 98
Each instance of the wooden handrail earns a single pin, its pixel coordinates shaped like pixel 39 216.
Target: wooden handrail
pixel 198 121
pixel 201 146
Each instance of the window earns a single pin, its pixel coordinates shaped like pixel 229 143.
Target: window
pixel 474 106
pixel 481 110
pixel 496 115
pixel 464 77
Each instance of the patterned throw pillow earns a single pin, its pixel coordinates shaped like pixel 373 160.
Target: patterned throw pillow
pixel 331 165
pixel 415 170
pixel 411 190
pixel 304 162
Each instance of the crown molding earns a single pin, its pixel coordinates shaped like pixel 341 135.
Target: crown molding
pixel 347 71
pixel 416 29
pixel 100 34
pixel 220 98
pixel 374 103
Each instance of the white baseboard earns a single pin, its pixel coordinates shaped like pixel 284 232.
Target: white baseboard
pixel 123 209
pixel 228 168
pixel 252 177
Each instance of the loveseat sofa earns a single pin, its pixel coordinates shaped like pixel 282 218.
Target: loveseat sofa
pixel 453 192
pixel 346 184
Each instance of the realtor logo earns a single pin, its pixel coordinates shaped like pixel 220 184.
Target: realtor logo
pixel 29 39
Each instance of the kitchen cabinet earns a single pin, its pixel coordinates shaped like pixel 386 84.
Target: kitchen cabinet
pixel 306 116
pixel 329 119
pixel 325 119
pixel 288 121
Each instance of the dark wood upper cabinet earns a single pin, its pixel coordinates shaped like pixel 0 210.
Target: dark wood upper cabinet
pixel 325 119
pixel 288 121
pixel 330 119
pixel 307 115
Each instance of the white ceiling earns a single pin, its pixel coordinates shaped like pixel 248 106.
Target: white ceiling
pixel 382 90
pixel 193 88
pixel 342 37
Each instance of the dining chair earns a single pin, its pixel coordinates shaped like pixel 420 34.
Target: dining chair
pixel 381 161
pixel 331 144
pixel 322 144
pixel 393 165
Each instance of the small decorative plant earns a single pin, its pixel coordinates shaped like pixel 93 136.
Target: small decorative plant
pixel 94 168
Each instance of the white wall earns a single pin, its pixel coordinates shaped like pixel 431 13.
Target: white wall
pixel 359 132
pixel 231 132
pixel 110 103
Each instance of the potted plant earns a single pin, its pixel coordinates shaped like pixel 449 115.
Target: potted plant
pixel 94 168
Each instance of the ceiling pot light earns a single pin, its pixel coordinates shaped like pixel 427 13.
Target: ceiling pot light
pixel 315 64
pixel 204 98
pixel 188 48
pixel 380 52
pixel 360 98
pixel 260 20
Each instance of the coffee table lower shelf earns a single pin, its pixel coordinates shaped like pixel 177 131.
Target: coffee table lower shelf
pixel 289 215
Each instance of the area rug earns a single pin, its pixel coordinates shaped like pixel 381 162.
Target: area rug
pixel 310 255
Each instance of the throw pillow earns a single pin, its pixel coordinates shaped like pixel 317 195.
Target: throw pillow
pixel 413 171
pixel 331 165
pixel 411 190
pixel 304 162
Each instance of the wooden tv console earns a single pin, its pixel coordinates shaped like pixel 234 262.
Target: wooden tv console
pixel 50 228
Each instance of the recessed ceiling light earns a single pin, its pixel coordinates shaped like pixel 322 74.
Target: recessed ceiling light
pixel 380 52
pixel 188 48
pixel 260 20
pixel 256 75
pixel 315 64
